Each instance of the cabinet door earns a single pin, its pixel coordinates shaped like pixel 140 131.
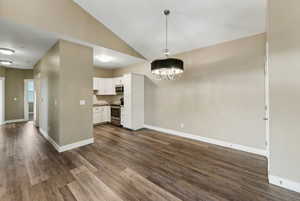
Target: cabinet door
pixel 102 112
pixel 108 115
pixel 95 83
pixel 97 118
pixel 120 80
pixel 110 86
pixel 101 86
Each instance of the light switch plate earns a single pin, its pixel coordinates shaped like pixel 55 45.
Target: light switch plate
pixel 82 102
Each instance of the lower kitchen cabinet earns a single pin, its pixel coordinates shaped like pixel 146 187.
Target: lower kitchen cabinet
pixel 101 114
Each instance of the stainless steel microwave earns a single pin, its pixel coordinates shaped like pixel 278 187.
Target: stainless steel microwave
pixel 119 89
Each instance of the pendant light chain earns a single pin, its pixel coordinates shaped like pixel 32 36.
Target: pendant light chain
pixel 167 36
pixel 166 51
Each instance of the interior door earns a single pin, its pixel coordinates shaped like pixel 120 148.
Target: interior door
pixel 26 108
pixel 267 105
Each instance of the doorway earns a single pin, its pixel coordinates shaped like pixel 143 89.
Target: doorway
pixel 29 100
pixel 2 108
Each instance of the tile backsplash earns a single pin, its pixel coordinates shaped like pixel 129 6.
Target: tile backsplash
pixel 106 99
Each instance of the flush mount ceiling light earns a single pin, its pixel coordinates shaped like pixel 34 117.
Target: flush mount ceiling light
pixel 5 62
pixel 169 68
pixel 105 58
pixel 6 51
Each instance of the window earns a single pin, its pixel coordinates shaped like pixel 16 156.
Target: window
pixel 30 96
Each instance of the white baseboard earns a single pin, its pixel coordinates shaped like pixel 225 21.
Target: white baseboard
pixel 14 121
pixel 54 144
pixel 76 144
pixel 68 146
pixel 210 140
pixel 284 183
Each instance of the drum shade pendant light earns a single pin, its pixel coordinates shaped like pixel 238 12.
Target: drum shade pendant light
pixel 168 68
pixel 6 51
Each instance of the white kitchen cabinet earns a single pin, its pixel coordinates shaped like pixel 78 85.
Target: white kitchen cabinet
pixel 101 114
pixel 102 83
pixel 110 86
pixel 106 114
pixel 133 101
pixel 118 81
pixel 95 83
pixel 104 86
pixel 97 118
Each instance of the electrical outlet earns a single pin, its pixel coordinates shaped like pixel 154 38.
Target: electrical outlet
pixel 182 125
pixel 82 102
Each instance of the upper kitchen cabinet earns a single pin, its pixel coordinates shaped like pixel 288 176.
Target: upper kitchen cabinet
pixel 133 101
pixel 104 86
pixel 95 84
pixel 118 81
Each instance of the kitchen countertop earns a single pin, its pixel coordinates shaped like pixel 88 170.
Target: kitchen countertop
pixel 99 105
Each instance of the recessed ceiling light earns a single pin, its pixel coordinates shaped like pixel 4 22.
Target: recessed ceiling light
pixel 105 58
pixel 6 51
pixel 5 62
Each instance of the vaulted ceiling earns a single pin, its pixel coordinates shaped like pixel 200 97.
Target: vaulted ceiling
pixel 193 23
pixel 31 44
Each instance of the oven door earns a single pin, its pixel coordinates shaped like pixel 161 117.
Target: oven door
pixel 115 112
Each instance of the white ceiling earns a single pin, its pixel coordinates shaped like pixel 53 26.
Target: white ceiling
pixel 193 23
pixel 31 45
pixel 115 59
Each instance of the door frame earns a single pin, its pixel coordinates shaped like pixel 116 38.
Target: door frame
pixel 26 104
pixel 3 101
pixel 267 105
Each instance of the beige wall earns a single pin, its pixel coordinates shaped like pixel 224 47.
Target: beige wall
pixel 63 77
pixel 63 17
pixel 284 67
pixel 102 72
pixel 2 71
pixel 14 88
pixel 220 95
pixel 76 84
pixel 47 82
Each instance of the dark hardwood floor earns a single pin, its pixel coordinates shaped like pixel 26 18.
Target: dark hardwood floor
pixel 133 166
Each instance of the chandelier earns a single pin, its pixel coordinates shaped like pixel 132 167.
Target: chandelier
pixel 168 68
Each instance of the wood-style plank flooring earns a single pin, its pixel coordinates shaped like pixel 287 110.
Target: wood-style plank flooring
pixel 129 166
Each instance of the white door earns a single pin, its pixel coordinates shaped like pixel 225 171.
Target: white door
pixel 26 107
pixel 267 105
pixel 127 101
pixel 43 114
pixel 2 100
